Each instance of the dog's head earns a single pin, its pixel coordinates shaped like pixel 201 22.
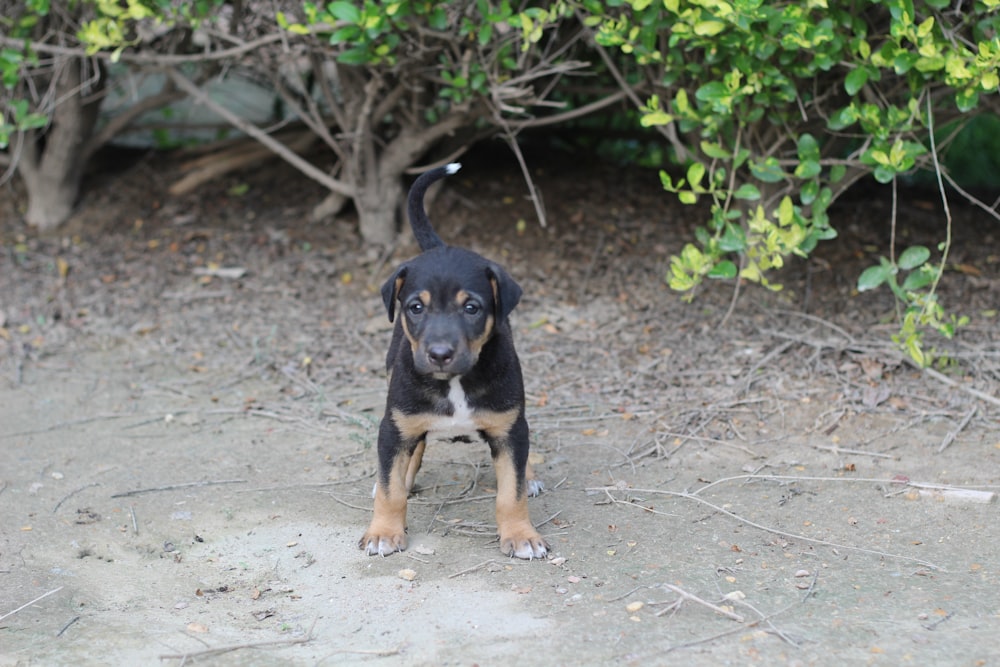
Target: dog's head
pixel 450 302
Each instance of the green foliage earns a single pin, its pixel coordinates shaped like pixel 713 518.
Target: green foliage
pixel 17 115
pixel 104 25
pixel 110 26
pixel 375 33
pixel 922 310
pixel 784 105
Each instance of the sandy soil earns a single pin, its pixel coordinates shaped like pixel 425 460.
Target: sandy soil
pixel 186 458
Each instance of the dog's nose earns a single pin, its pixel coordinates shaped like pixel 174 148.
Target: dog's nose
pixel 441 354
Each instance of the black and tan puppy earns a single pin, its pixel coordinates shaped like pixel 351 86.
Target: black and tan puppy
pixel 453 374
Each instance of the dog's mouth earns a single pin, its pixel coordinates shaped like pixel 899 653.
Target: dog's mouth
pixel 443 361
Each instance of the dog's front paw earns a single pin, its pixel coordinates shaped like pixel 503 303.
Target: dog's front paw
pixel 375 544
pixel 523 542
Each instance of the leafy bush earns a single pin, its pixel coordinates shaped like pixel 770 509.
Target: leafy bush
pixel 782 106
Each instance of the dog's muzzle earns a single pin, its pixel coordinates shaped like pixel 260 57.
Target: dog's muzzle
pixel 443 360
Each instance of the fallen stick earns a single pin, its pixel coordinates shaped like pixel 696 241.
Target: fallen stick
pixel 705 603
pixel 28 604
pixel 308 637
pixel 747 522
pixel 948 439
pixel 471 569
pixel 953 493
pixel 941 377
pixel 73 493
pixel 174 487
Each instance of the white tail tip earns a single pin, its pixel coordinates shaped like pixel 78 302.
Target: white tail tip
pixel 452 167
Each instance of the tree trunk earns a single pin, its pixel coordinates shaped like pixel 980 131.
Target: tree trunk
pixel 53 160
pixel 382 194
pixel 378 207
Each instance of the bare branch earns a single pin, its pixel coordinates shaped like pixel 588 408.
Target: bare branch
pixel 249 128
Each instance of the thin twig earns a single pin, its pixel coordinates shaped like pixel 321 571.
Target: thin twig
pixel 705 603
pixel 376 652
pixel 472 569
pixel 308 637
pixel 941 377
pixel 174 487
pixel 768 529
pixel 28 604
pixel 65 424
pixel 625 595
pixel 857 452
pixel 73 493
pixel 948 439
pixel 66 627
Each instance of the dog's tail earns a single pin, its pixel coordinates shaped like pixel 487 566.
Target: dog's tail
pixel 426 236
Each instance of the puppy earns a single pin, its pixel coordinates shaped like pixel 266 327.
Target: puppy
pixel 454 374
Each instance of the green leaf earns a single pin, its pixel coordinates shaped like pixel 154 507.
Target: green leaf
pixel 714 150
pixel 747 191
pixel 918 279
pixel 655 118
pixel 733 239
pixel 438 19
pixel 967 99
pixel 687 197
pixel 357 56
pixel 807 169
pixel 808 192
pixel 695 173
pixel 884 174
pixel 872 277
pixel 485 34
pixel 709 28
pixel 767 170
pixel 786 211
pixel 855 80
pixel 724 270
pixel 808 147
pixel 913 257
pixel 345 11
pixel 712 91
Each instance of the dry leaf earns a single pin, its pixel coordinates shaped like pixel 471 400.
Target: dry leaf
pixel 407 574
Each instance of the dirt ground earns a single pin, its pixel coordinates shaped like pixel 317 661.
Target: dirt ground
pixel 187 454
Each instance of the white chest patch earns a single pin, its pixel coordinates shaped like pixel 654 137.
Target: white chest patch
pixel 460 422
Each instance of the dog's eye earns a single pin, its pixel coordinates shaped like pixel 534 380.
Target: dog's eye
pixel 416 308
pixel 471 308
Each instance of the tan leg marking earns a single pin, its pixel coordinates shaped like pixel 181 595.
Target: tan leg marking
pixel 412 427
pixel 414 466
pixel 495 424
pixel 386 533
pixel 517 536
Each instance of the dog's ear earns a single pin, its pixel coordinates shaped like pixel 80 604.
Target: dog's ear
pixel 390 291
pixel 506 292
